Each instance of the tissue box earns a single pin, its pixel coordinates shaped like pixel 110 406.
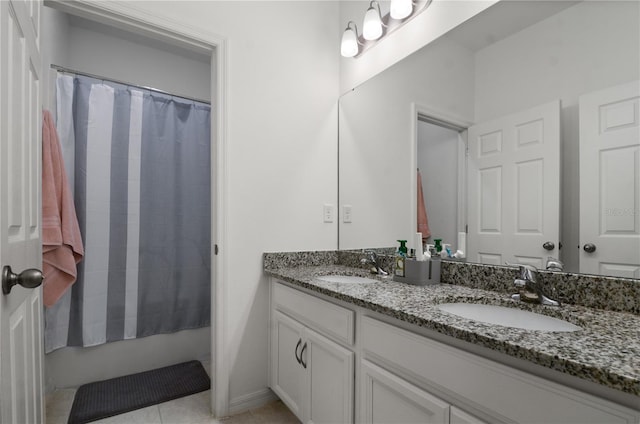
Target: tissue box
pixel 420 273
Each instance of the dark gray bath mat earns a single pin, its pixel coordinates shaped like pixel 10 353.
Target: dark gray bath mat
pixel 107 398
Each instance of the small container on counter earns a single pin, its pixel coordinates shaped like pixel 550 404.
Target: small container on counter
pixel 420 273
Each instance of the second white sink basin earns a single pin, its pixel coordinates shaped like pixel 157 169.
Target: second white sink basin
pixel 507 317
pixel 348 279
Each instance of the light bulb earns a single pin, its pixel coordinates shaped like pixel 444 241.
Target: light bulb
pixel 349 45
pixel 400 9
pixel 372 27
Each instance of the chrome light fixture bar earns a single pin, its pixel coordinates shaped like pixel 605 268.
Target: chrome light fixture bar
pixel 376 27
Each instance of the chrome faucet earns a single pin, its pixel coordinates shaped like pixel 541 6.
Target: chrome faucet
pixel 529 289
pixel 372 259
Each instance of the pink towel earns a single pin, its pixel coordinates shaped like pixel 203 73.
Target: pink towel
pixel 423 221
pixel 61 241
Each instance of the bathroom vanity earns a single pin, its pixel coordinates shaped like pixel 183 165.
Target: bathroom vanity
pixel 384 352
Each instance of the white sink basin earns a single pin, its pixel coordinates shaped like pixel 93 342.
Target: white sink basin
pixel 348 279
pixel 507 317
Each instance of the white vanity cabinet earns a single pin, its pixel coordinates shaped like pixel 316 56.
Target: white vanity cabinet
pixel 312 373
pixel 418 367
pixel 404 376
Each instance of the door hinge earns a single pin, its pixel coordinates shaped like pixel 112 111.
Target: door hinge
pixel 215 249
pixel 466 228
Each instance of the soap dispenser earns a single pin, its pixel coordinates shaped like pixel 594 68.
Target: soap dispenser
pixel 401 257
pixel 438 245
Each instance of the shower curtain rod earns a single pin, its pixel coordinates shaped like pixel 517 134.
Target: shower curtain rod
pixel 86 74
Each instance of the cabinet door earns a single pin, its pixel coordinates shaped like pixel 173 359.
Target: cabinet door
pixel 287 375
pixel 458 416
pixel 329 379
pixel 387 398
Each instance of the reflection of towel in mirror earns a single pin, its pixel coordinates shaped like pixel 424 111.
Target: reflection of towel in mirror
pixel 61 241
pixel 423 221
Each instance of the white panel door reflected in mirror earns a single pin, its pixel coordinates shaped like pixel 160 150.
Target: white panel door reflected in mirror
pixel 514 188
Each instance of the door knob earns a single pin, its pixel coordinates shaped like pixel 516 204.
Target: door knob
pixel 549 245
pixel 29 279
pixel 589 247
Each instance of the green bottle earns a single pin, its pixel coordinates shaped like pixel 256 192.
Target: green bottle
pixel 401 256
pixel 438 245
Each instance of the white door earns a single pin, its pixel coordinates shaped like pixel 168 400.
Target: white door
pixel 329 375
pixel 21 350
pixel 610 181
pixel 287 378
pixel 514 188
pixel 387 398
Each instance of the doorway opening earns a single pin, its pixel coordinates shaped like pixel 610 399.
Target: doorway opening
pixel 440 158
pixel 163 52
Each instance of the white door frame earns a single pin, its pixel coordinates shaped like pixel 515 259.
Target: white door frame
pixel 124 15
pixel 462 124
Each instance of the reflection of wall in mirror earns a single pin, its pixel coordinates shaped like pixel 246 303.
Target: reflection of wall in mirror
pixel 377 169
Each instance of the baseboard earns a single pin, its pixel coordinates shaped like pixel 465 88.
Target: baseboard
pixel 250 401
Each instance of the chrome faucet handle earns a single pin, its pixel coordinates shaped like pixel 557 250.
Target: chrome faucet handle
pixel 371 255
pixel 372 259
pixel 554 264
pixel 527 272
pixel 528 288
pixel 520 283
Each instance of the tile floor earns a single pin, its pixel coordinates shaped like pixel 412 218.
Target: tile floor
pixel 192 409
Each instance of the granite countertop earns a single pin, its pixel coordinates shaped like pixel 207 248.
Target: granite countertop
pixel 606 350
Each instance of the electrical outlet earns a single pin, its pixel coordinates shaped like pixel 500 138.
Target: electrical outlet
pixel 346 213
pixel 327 212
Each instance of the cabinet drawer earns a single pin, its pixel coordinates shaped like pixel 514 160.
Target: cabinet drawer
pixel 325 317
pixel 499 390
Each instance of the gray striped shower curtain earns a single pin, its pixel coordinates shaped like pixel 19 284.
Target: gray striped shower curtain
pixel 139 166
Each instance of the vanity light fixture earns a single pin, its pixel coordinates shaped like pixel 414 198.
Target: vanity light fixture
pixel 372 26
pixel 400 9
pixel 349 46
pixel 376 26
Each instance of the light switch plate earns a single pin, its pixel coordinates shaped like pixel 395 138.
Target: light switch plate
pixel 327 212
pixel 346 213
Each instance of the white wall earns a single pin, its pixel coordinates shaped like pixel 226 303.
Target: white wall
pixel 564 56
pixel 94 48
pixel 53 47
pixel 101 50
pixel 72 367
pixel 377 163
pixel 440 17
pixel 437 159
